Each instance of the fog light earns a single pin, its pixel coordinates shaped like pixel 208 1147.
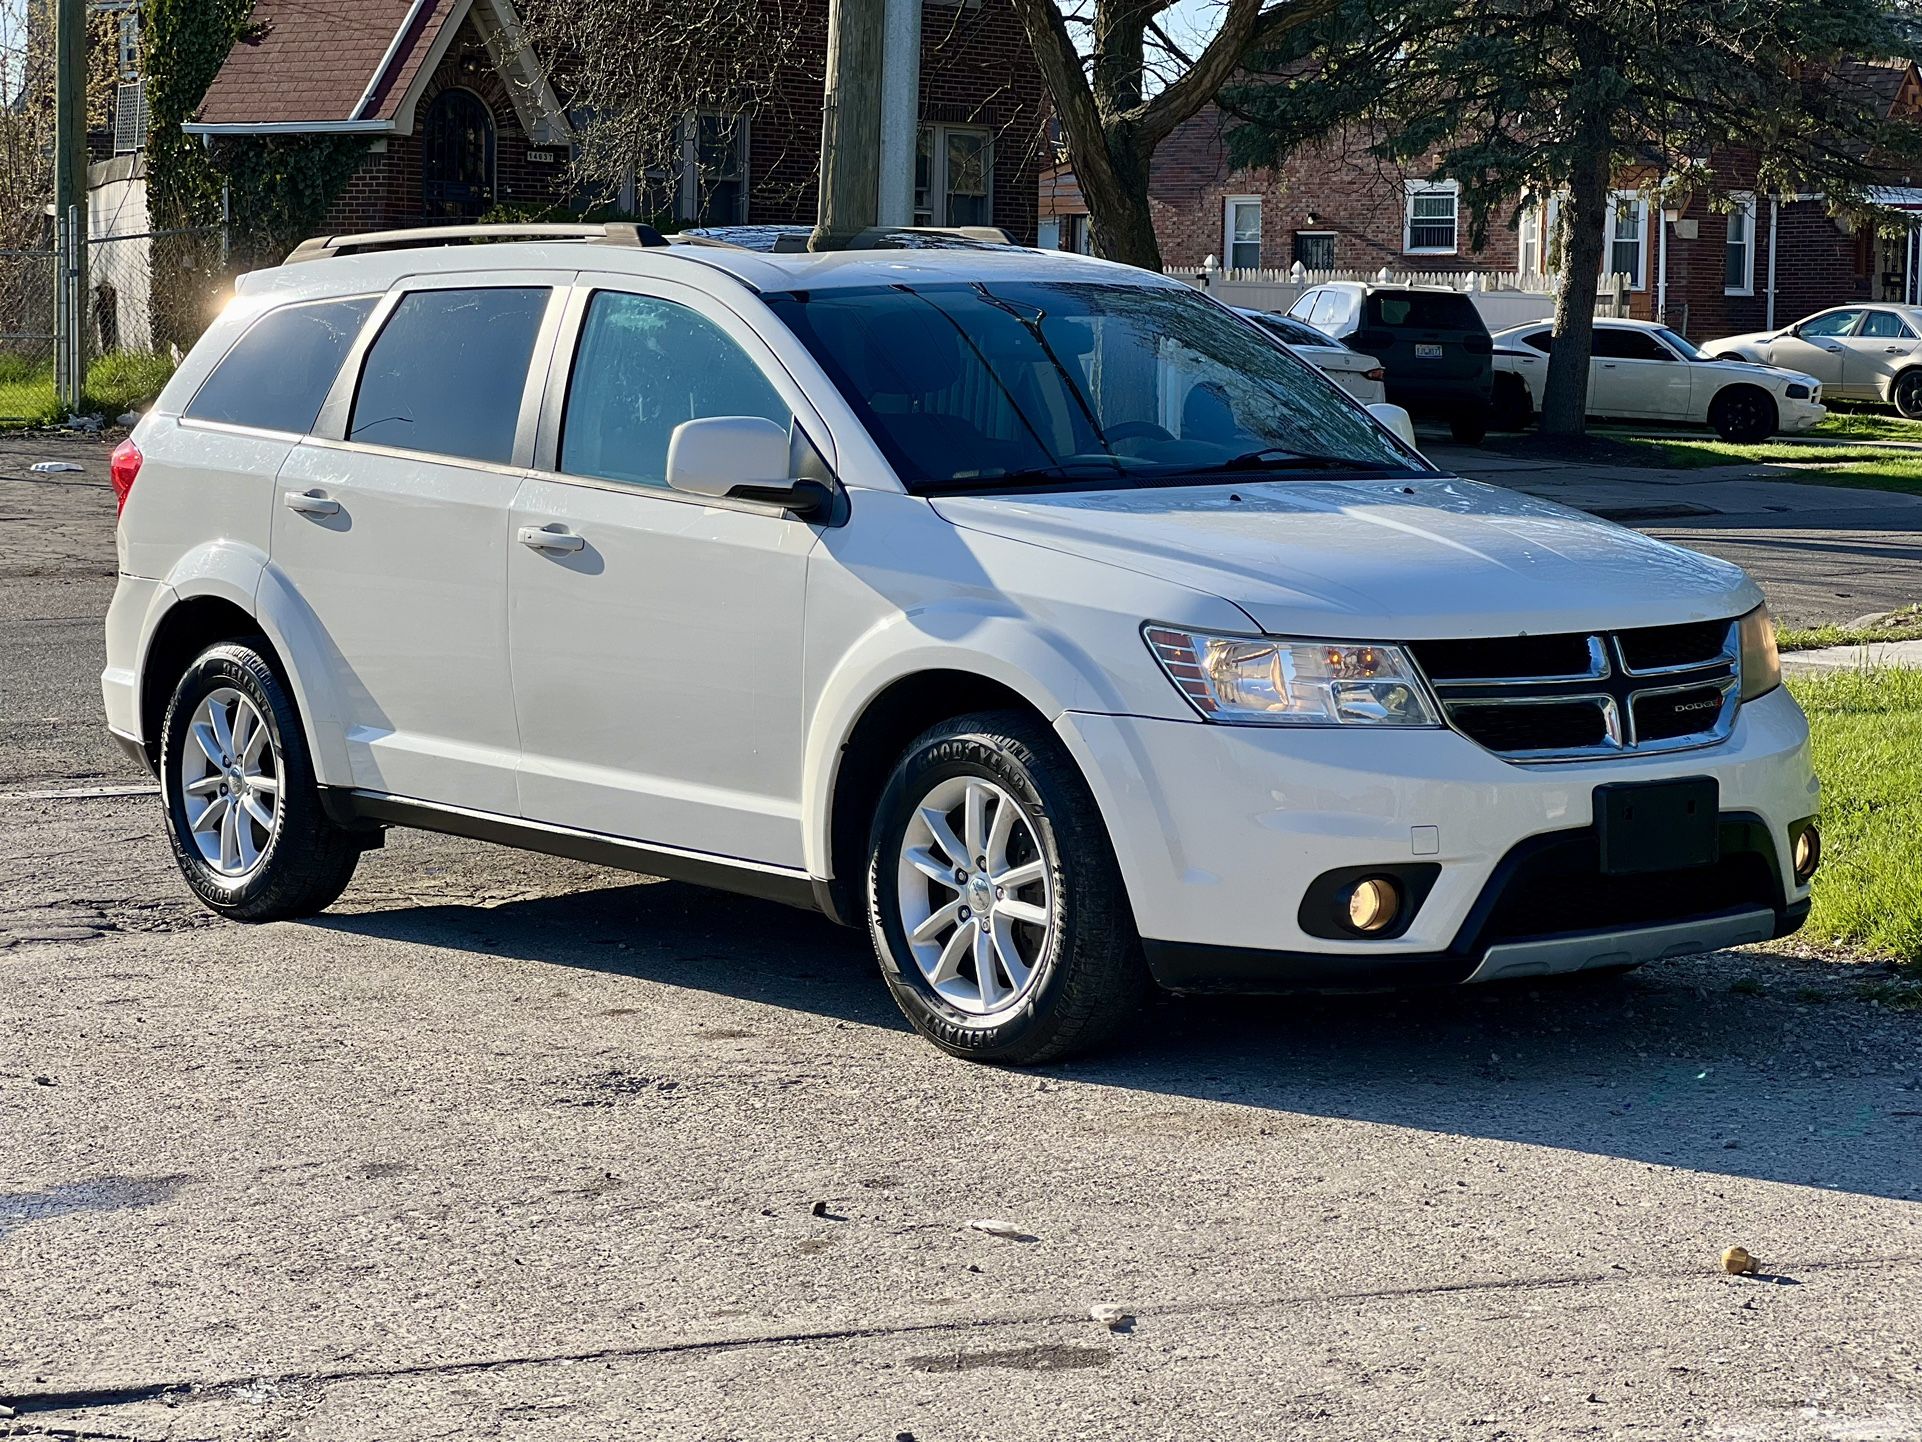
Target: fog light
pixel 1373 903
pixel 1807 853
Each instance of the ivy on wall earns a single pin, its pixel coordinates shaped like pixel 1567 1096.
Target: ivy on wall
pixel 280 187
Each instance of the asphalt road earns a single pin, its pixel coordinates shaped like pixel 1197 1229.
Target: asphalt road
pixel 513 1147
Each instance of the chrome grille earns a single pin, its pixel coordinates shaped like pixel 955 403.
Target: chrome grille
pixel 1584 695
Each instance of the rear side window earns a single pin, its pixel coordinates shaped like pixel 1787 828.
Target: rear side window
pixel 446 373
pixel 1612 344
pixel 1425 310
pixel 278 374
pixel 644 366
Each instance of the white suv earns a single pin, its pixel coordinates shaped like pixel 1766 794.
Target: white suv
pixel 1037 613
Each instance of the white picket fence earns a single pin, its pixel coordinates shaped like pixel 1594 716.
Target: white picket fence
pixel 1504 297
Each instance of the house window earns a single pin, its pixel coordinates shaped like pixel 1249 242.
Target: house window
pixel 1628 238
pixel 954 176
pixel 1241 232
pixel 1079 235
pixel 1738 266
pixel 128 45
pixel 1528 239
pixel 1429 222
pixel 704 181
pixel 1315 249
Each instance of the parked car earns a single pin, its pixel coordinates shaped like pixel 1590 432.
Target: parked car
pixel 1432 343
pixel 1360 375
pixel 1857 352
pixel 1640 371
pixel 1034 613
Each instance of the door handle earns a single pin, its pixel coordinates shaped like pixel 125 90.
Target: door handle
pixel 1608 365
pixel 310 503
pixel 1833 349
pixel 1893 349
pixel 538 538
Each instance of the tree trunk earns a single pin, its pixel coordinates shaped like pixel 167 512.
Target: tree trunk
pixel 1565 393
pixel 1117 196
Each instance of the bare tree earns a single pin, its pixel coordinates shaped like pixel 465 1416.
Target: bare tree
pixel 1122 87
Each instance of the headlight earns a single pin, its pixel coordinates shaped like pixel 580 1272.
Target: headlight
pixel 1797 391
pixel 1292 683
pixel 1761 662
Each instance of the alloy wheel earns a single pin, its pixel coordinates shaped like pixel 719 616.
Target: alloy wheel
pixel 230 783
pixel 975 895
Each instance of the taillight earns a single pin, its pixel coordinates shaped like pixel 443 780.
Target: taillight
pixel 123 470
pixel 1379 373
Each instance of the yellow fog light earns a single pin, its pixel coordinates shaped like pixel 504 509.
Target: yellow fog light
pixel 1373 904
pixel 1807 853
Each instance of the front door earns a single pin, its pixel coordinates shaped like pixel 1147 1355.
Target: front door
pixel 1881 345
pixel 1633 374
pixel 391 525
pixel 457 156
pixel 1815 347
pixel 656 636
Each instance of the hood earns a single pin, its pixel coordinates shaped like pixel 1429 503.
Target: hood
pixel 1415 558
pixel 1778 375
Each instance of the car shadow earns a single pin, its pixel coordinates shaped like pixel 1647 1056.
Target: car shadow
pixel 1717 1064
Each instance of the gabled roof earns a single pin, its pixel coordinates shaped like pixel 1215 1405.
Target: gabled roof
pixel 344 66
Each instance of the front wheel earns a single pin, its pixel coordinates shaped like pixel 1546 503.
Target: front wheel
pixel 1743 414
pixel 243 811
pixel 1907 395
pixel 1468 423
pixel 995 904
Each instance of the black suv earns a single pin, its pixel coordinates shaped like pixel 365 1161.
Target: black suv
pixel 1430 340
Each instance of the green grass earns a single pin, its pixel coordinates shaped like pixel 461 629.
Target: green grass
pixel 1902 625
pixel 1840 464
pixel 1868 752
pixel 1865 425
pixel 115 384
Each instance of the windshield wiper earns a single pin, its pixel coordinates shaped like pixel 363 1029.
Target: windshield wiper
pixel 1277 458
pixel 1037 476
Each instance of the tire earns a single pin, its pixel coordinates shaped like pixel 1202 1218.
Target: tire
pixel 1085 974
pixel 295 863
pixel 1513 407
pixel 1743 414
pixel 1469 424
pixel 1906 393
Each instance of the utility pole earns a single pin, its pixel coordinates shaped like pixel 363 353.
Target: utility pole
pixel 900 110
pixel 851 122
pixel 70 197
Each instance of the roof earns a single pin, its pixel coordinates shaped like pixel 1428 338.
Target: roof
pixel 305 67
pixel 1881 83
pixel 762 272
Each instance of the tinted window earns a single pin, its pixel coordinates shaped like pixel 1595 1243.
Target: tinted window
pixel 1886 325
pixel 1542 340
pixel 447 371
pixel 278 375
pixel 1041 383
pixel 643 366
pixel 1425 310
pixel 1613 344
pixel 1293 332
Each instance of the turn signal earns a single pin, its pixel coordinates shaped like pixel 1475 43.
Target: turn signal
pixel 122 470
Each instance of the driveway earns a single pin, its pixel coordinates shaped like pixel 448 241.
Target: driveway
pixel 505 1146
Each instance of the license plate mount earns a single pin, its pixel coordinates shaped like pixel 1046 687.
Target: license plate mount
pixel 1649 826
pixel 1428 350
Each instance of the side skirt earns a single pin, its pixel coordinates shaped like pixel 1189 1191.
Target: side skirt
pixel 745 878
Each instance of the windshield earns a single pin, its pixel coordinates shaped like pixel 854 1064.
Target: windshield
pixel 1048 385
pixel 1686 348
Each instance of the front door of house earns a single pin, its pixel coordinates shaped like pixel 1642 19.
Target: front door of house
pixel 457 156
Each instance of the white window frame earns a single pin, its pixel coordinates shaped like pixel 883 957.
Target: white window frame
pixel 1410 190
pixel 935 212
pixel 1230 204
pixel 1538 227
pixel 686 181
pixel 1744 206
pixel 1638 278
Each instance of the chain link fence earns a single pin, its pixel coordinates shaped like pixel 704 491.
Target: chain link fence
pixel 27 337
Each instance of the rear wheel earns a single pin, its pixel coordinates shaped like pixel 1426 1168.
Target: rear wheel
pixel 243 811
pixel 1743 414
pixel 1907 394
pixel 1513 408
pixel 1468 423
pixel 995 905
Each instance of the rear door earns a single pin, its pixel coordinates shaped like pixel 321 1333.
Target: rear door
pixel 1879 347
pixel 391 524
pixel 1633 374
pixel 656 636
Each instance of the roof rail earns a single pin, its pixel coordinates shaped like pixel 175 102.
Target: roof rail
pixel 618 232
pixel 898 237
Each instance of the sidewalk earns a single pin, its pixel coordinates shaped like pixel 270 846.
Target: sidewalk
pixel 1875 656
pixel 1821 554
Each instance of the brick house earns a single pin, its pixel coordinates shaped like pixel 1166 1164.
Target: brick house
pixel 459 121
pixel 1706 270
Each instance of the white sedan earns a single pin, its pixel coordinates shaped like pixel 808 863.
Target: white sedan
pixel 1360 375
pixel 1641 371
pixel 1859 352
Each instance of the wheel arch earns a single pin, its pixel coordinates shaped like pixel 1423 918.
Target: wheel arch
pixel 1728 389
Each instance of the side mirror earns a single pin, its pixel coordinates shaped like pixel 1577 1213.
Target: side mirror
pixel 747 458
pixel 1395 420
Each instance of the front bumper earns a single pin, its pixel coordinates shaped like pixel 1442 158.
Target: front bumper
pixel 1795 416
pixel 1219 830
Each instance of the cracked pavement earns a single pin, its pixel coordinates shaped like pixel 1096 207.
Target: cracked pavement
pixel 506 1146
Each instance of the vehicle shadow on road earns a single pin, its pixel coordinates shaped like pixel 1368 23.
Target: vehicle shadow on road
pixel 1726 1064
